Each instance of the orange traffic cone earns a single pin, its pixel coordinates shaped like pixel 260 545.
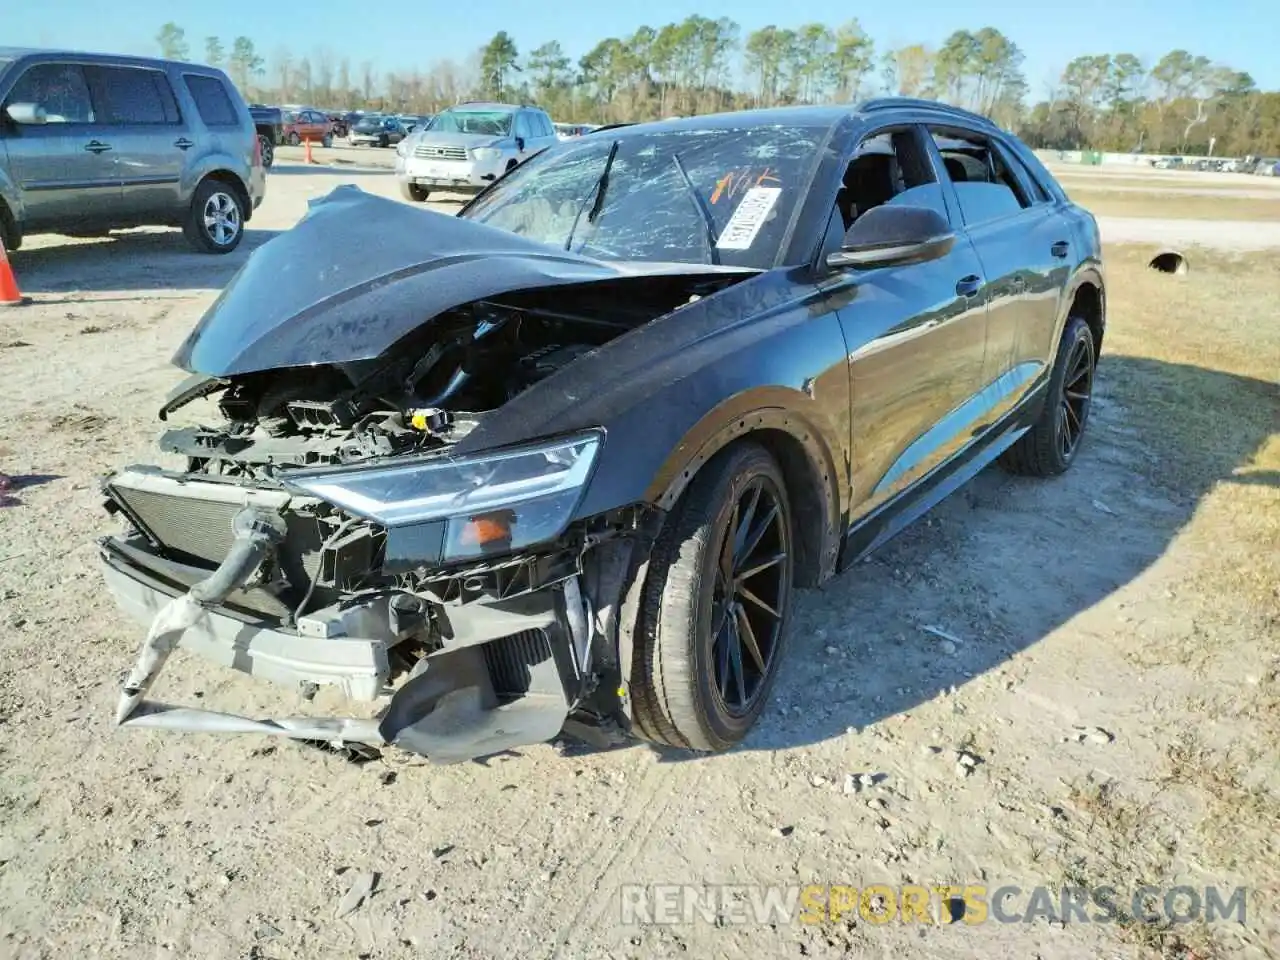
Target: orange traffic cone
pixel 308 157
pixel 9 294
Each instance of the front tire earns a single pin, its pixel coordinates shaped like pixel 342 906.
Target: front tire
pixel 384 141
pixel 1050 447
pixel 326 140
pixel 215 223
pixel 293 139
pixel 712 628
pixel 414 193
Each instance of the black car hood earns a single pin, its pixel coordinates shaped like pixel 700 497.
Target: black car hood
pixel 359 272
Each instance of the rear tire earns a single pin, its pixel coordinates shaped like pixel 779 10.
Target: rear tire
pixel 293 139
pixel 708 654
pixel 1050 447
pixel 326 140
pixel 384 141
pixel 268 150
pixel 414 193
pixel 215 223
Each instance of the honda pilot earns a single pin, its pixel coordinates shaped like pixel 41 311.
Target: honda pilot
pixel 91 143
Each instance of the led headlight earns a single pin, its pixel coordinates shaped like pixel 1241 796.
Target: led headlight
pixel 488 504
pixel 486 153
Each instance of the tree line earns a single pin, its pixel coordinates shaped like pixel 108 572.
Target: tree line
pixel 1182 103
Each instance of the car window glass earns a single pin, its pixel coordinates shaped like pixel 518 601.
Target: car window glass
pixel 57 88
pixel 129 95
pixel 495 123
pixel 1038 193
pixel 545 122
pixel 886 166
pixel 985 186
pixel 748 180
pixel 212 101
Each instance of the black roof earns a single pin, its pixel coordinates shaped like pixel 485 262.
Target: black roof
pixel 807 115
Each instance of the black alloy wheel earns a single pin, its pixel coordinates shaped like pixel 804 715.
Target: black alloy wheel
pixel 1051 444
pixel 1077 394
pixel 711 631
pixel 750 586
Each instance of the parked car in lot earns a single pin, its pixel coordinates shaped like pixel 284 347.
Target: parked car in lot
pixel 338 125
pixel 93 142
pixel 269 122
pixel 374 130
pixel 559 462
pixel 467 147
pixel 567 131
pixel 307 124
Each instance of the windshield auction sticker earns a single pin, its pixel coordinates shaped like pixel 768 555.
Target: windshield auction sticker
pixel 741 230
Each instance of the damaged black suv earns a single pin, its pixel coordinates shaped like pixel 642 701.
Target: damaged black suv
pixel 556 464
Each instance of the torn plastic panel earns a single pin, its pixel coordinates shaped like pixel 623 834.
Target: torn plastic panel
pixel 461 661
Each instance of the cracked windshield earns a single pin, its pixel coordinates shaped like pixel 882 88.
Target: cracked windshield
pixel 720 196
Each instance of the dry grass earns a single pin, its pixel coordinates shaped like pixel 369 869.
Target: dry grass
pixel 1194 362
pixel 1077 178
pixel 1173 205
pixel 1200 356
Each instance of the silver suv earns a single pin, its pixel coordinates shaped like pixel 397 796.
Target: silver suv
pixel 91 143
pixel 468 147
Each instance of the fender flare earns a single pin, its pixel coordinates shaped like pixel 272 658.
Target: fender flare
pixel 823 503
pixel 1089 274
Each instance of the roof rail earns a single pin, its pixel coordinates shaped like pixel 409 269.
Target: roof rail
pixel 920 103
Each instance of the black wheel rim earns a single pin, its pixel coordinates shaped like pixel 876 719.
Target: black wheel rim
pixel 1077 391
pixel 753 577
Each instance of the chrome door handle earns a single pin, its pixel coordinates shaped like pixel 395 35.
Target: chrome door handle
pixel 968 286
pixel 1060 249
pixel 182 143
pixel 97 146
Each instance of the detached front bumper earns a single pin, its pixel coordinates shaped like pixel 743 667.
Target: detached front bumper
pixel 491 661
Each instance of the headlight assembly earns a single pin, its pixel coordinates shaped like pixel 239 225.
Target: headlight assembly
pixel 487 153
pixel 488 504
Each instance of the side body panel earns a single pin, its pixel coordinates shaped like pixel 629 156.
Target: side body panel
pixel 916 349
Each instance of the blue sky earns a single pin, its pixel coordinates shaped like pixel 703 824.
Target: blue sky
pixel 1242 34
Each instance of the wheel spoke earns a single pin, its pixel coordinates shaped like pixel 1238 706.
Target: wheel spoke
pixel 749 638
pixel 735 662
pixel 753 540
pixel 743 526
pixel 1073 418
pixel 721 649
pixel 773 561
pixel 1076 395
pixel 748 595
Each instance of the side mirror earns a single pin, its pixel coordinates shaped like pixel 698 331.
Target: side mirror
pixel 27 114
pixel 519 143
pixel 890 235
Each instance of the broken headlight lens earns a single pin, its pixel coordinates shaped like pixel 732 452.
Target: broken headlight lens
pixel 490 504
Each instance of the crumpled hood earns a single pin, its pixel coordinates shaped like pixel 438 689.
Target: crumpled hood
pixel 359 272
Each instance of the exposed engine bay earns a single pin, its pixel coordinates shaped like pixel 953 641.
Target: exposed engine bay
pixel 426 392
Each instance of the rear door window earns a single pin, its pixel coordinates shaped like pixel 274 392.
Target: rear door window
pixel 212 101
pixel 59 89
pixel 132 96
pixel 985 186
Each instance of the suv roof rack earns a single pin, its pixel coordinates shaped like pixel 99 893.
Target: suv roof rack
pixel 920 103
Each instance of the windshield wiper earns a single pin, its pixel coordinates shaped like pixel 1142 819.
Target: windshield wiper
pixel 601 186
pixel 703 210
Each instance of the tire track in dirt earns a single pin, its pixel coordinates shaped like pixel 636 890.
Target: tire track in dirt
pixel 594 883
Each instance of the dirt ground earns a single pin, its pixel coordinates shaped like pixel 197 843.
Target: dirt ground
pixel 1103 710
